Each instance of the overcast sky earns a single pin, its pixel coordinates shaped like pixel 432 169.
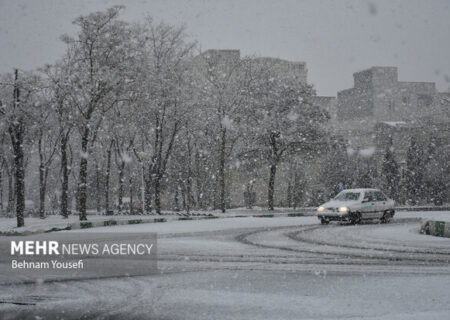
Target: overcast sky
pixel 335 38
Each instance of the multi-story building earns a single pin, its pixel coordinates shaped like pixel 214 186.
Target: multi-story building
pixel 221 56
pixel 379 108
pixel 295 69
pixel 379 100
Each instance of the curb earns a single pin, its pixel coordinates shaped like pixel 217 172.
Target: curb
pixel 263 216
pixel 112 222
pixel 436 228
pixel 85 225
pixel 424 208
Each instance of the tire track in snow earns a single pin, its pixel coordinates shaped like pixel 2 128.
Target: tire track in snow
pixel 373 255
pixel 302 236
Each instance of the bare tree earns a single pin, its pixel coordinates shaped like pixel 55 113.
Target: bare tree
pixel 284 123
pixel 2 163
pixel 17 103
pixel 48 142
pixel 222 79
pixel 123 147
pixel 109 151
pixel 57 76
pixel 97 54
pixel 163 63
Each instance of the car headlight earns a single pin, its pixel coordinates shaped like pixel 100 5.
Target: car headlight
pixel 343 209
pixel 320 209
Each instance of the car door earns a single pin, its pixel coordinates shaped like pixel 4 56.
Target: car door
pixel 380 204
pixel 368 206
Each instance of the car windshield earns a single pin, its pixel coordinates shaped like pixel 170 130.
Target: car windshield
pixel 345 196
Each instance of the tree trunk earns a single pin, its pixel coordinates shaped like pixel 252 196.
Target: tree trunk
pixel 222 170
pixel 10 206
pixel 107 177
pixel 289 195
pixel 189 178
pixel 131 195
pixel 183 197
pixel 273 171
pixel 295 191
pixel 215 195
pixel 188 195
pixel 199 192
pixel 42 175
pixel 77 199
pixel 42 186
pixel 1 190
pixel 176 206
pixel 20 185
pixel 198 183
pixel 157 186
pixel 65 178
pixel 142 189
pixel 17 133
pixel 82 185
pixel 121 185
pixel 148 193
pixel 97 187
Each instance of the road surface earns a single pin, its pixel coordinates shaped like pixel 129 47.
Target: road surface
pixel 261 268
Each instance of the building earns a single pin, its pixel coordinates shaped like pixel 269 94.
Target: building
pixel 222 56
pixel 241 181
pixel 295 69
pixel 377 111
pixel 380 108
pixel 329 104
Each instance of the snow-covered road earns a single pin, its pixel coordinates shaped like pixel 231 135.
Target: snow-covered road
pixel 263 268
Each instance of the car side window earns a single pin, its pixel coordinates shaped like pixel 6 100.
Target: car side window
pixel 380 196
pixel 369 196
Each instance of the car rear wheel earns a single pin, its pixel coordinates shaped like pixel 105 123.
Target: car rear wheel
pixel 355 217
pixel 386 218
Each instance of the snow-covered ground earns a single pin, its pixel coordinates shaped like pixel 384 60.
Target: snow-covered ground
pixel 33 224
pixel 51 221
pixel 229 294
pixel 248 222
pixel 262 268
pixel 56 221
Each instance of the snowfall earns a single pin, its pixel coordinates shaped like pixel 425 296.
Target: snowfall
pixel 258 268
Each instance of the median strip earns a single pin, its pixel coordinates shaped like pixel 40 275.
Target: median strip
pixel 121 221
pixel 296 214
pixel 85 225
pixel 436 228
pixel 185 218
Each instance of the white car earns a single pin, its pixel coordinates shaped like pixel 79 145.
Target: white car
pixel 354 205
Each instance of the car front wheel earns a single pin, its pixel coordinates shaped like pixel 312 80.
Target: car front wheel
pixel 324 221
pixel 355 217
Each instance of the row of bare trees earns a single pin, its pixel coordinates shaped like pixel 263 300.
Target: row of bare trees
pixel 136 104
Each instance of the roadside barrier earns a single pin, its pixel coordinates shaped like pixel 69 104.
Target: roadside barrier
pixel 436 228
